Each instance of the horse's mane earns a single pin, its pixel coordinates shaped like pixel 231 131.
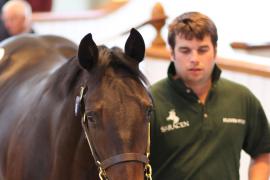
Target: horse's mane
pixel 71 75
pixel 124 62
pixel 63 80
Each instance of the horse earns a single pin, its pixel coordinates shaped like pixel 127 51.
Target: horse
pixel 73 112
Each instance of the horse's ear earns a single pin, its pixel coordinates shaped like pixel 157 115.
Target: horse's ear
pixel 88 52
pixel 135 46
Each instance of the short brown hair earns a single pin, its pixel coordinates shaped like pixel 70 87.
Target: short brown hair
pixel 190 25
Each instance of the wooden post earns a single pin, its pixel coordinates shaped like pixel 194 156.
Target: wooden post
pixel 158 47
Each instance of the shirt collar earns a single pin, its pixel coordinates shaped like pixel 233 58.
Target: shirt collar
pixel 215 74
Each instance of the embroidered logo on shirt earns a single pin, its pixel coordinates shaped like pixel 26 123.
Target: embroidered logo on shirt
pixel 176 123
pixel 172 117
pixel 234 121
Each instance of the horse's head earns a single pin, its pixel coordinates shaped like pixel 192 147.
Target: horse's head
pixel 116 106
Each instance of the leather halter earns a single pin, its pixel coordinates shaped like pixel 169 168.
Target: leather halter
pixel 116 159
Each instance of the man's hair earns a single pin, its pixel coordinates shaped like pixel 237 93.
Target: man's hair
pixel 23 7
pixel 192 25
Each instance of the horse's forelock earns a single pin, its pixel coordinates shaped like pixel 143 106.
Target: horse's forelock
pixel 122 60
pixel 104 56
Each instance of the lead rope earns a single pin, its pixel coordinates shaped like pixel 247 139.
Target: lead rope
pixel 148 168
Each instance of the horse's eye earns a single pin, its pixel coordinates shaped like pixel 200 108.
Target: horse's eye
pixel 91 117
pixel 149 112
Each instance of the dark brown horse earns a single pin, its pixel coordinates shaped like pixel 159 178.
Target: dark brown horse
pixel 41 136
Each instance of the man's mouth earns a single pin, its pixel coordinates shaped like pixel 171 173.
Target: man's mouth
pixel 195 69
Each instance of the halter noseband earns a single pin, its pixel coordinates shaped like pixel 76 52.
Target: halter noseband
pixel 116 159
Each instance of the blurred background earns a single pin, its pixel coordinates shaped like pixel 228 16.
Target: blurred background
pixel 243 45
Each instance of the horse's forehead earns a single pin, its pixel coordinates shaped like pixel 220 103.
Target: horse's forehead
pixel 119 88
pixel 123 82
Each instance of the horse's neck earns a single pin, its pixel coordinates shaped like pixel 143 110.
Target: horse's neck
pixel 66 79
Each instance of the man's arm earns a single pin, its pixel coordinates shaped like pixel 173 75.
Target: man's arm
pixel 259 168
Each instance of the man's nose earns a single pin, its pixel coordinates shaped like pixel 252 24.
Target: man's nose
pixel 194 57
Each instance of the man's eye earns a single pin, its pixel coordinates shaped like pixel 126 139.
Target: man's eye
pixel 202 50
pixel 184 51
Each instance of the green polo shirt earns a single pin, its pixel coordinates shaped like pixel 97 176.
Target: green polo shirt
pixel 192 141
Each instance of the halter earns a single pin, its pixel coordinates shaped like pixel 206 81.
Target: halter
pixel 116 159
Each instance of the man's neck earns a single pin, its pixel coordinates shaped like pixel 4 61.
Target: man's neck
pixel 201 90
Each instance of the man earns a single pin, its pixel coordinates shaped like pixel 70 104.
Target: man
pixel 17 17
pixel 201 121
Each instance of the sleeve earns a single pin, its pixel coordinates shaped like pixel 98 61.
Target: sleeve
pixel 257 139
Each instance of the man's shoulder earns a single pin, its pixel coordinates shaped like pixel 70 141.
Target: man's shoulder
pixel 159 85
pixel 230 83
pixel 233 87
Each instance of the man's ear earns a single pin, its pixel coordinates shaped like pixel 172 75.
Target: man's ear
pixel 215 53
pixel 172 56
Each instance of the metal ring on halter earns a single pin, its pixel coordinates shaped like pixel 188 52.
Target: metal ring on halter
pixel 102 173
pixel 148 171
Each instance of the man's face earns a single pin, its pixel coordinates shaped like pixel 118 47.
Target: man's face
pixel 194 60
pixel 14 22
